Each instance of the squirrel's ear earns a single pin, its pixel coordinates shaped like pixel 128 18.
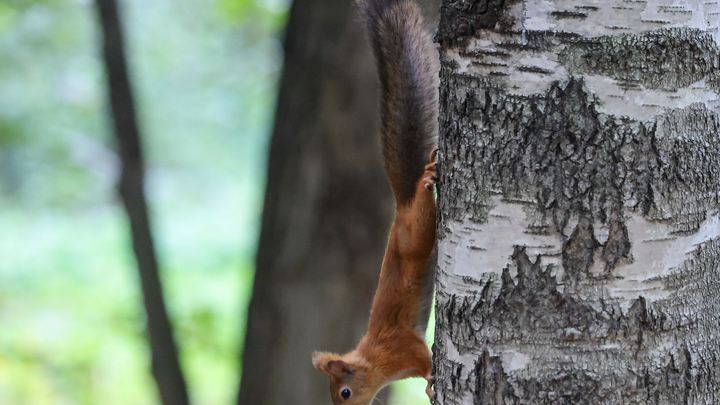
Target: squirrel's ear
pixel 317 359
pixel 340 368
pixel 320 361
pixel 331 365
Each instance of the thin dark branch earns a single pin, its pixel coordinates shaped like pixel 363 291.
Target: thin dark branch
pixel 165 365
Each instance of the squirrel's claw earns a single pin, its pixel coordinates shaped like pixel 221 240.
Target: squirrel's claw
pixel 428 390
pixel 430 175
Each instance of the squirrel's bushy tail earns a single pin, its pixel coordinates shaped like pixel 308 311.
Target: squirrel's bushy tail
pixel 407 64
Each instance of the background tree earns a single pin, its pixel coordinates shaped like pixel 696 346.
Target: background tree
pixel 579 258
pixel 204 79
pixel 165 364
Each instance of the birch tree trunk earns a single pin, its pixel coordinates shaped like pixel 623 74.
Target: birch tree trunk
pixel 579 257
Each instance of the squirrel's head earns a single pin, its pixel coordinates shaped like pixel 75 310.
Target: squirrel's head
pixel 349 381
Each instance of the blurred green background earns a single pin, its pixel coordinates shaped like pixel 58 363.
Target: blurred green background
pixel 71 320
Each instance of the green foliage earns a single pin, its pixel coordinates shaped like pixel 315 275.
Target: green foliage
pixel 261 16
pixel 70 307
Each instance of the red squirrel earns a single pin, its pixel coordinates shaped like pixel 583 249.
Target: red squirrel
pixel 394 347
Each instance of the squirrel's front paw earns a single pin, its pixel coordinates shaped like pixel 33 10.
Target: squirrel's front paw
pixel 430 175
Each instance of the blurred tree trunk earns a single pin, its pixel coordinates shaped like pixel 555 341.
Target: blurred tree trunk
pixel 579 231
pixel 327 211
pixel 165 365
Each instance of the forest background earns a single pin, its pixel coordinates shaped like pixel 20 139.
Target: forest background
pixel 205 78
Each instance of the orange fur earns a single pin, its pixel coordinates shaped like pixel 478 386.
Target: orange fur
pixel 392 349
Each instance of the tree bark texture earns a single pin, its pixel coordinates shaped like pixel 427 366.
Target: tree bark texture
pixel 327 209
pixel 579 248
pixel 165 364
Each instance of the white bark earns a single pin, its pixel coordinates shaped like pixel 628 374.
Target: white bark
pixel 579 196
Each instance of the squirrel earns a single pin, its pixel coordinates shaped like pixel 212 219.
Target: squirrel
pixel 394 347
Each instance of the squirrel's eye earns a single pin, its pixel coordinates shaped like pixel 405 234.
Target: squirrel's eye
pixel 345 393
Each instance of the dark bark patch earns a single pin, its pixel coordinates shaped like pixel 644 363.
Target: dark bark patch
pixel 535 69
pixel 589 8
pixel 579 249
pixel 666 59
pixel 448 375
pixel 713 81
pixel 460 19
pixel 617 246
pixel 576 387
pixel 639 320
pixel 491 382
pixel 565 14
pixel 538 41
pixel 476 53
